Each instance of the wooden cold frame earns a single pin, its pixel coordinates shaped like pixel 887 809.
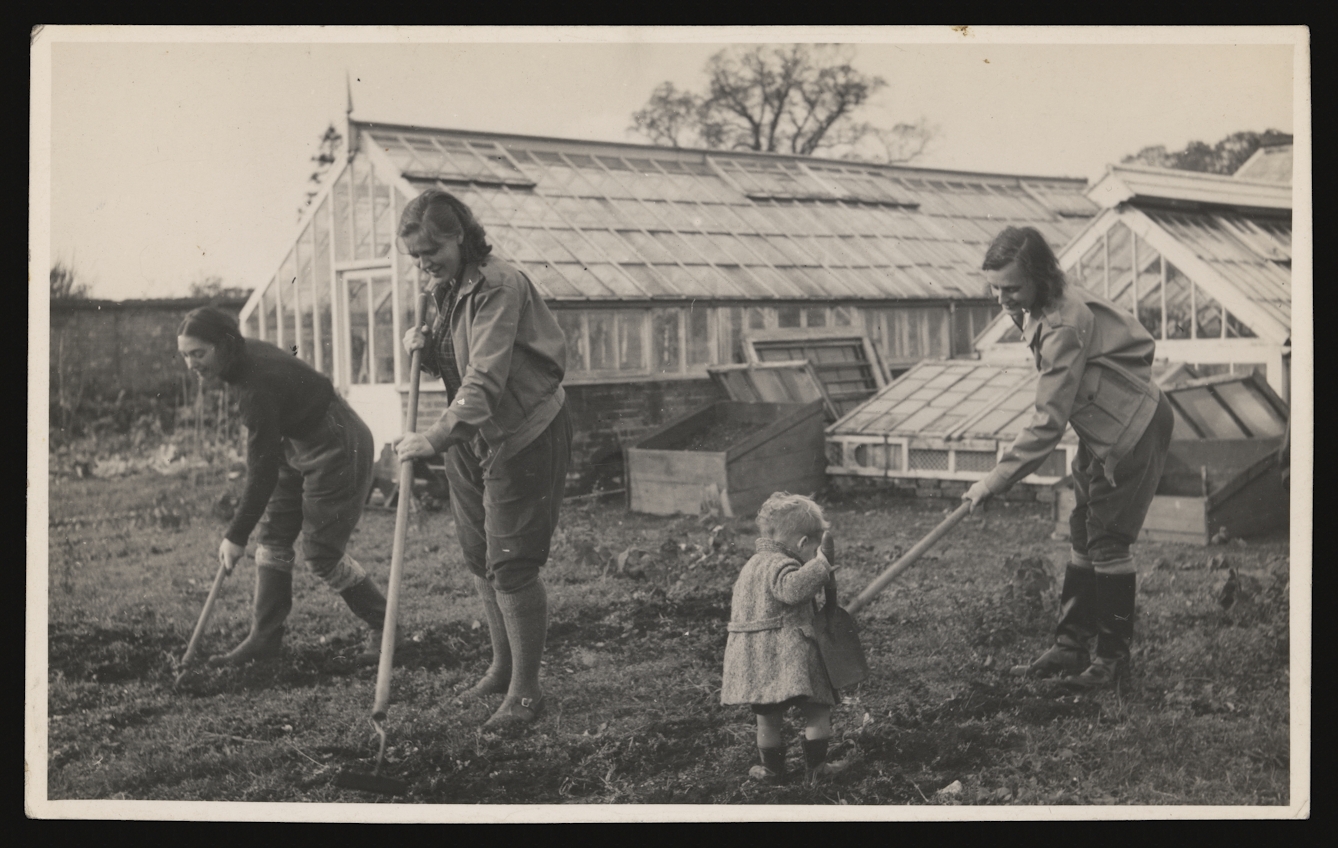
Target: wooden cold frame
pixel 742 383
pixel 758 341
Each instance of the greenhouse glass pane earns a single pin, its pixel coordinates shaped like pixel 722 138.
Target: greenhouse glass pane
pixel 287 289
pixel 1208 414
pixel 384 216
pixel 306 278
pixel 757 317
pixel 383 330
pixel 362 209
pixel 1121 265
pixel 815 316
pixel 666 352
pixel 1208 321
pixel 252 327
pixel 359 347
pixel 325 319
pixel 1253 409
pixel 342 194
pixel 1149 288
pixel 603 340
pixel 631 339
pixel 1178 321
pixel 699 335
pixel 570 322
pixel 1236 330
pixel 787 316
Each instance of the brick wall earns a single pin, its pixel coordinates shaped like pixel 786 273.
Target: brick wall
pixel 607 418
pixel 114 346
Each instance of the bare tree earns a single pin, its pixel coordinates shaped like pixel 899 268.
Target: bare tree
pixel 798 98
pixel 65 282
pixel 324 158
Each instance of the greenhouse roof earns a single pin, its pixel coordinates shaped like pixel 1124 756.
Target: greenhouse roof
pixel 1271 163
pixel 1251 254
pixel 1139 182
pixel 960 399
pixel 597 220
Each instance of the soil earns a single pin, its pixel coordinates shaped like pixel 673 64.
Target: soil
pixel 638 607
pixel 718 437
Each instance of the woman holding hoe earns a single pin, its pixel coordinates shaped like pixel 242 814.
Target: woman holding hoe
pixel 1095 364
pixel 505 434
pixel 308 473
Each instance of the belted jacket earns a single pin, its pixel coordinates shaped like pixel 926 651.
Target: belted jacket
pixel 1095 364
pixel 511 355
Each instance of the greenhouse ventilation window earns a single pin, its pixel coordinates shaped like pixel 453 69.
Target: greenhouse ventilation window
pixel 846 363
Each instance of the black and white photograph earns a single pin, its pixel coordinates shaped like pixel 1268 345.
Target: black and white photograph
pixel 637 424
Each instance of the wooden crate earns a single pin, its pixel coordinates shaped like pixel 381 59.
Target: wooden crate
pixel 779 447
pixel 1239 487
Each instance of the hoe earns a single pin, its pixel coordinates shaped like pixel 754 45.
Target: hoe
pixel 375 782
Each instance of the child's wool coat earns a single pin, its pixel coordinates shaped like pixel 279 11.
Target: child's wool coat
pixel 771 654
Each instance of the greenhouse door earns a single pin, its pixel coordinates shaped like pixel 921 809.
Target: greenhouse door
pixel 367 366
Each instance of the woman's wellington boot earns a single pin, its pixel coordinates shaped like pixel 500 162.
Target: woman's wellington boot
pixel 273 602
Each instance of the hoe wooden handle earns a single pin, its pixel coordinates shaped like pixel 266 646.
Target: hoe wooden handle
pixel 204 614
pixel 907 559
pixel 382 701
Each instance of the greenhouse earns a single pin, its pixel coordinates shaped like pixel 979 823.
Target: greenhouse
pixel 1203 260
pixel 658 262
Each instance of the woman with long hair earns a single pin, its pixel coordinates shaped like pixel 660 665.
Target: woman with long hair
pixel 1095 364
pixel 505 433
pixel 308 474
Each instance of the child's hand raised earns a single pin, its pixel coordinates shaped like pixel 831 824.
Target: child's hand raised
pixel 827 547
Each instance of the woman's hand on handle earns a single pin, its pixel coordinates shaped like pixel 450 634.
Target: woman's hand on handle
pixel 977 494
pixel 413 446
pixel 414 339
pixel 229 553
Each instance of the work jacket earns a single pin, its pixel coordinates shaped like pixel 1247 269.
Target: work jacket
pixel 1095 364
pixel 771 653
pixel 511 355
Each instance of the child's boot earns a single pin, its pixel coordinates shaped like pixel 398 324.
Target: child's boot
pixel 772 768
pixel 816 766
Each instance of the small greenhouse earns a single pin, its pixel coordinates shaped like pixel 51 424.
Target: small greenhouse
pixel 1203 260
pixel 659 263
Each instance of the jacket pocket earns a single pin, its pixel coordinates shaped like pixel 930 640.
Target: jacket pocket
pixel 1097 416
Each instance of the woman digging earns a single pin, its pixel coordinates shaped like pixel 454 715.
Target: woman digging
pixel 1095 364
pixel 505 434
pixel 308 474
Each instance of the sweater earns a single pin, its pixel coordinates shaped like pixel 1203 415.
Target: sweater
pixel 279 397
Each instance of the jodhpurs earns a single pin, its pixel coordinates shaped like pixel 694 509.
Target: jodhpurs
pixel 324 480
pixel 505 515
pixel 1107 517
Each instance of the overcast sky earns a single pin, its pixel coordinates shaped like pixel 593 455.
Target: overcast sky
pixel 174 159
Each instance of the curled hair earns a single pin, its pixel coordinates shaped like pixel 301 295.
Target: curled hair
pixel 218 328
pixel 785 515
pixel 440 216
pixel 1034 258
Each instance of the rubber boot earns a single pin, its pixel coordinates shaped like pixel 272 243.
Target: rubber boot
pixel 772 768
pixel 1115 598
pixel 1069 655
pixel 273 602
pixel 364 598
pixel 525 613
pixel 816 764
pixel 497 679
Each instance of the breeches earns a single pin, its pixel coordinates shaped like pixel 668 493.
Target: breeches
pixel 324 480
pixel 505 514
pixel 1107 517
